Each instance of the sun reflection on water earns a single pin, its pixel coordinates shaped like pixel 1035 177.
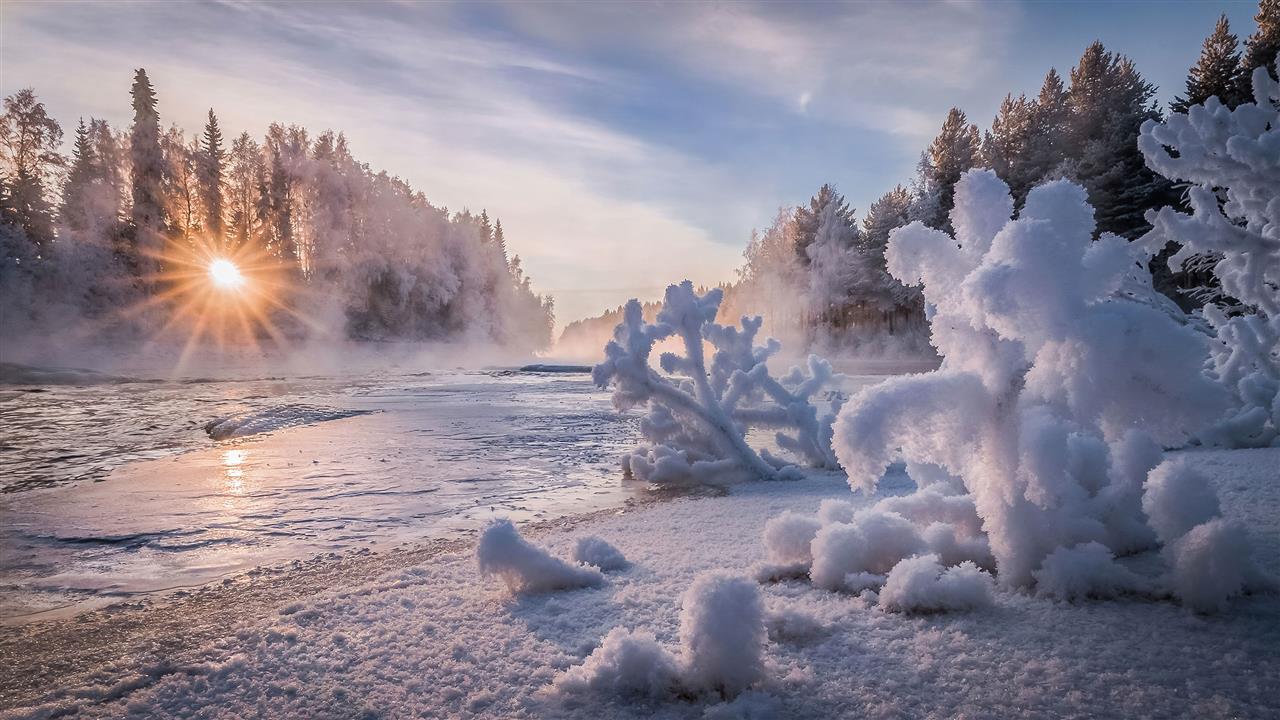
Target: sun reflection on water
pixel 232 470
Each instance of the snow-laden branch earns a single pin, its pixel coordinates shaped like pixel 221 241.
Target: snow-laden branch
pixel 1232 159
pixel 699 413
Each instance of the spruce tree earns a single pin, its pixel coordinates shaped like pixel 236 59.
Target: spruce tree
pixel 30 139
pixel 486 227
pixel 212 158
pixel 1216 72
pixel 77 191
pixel 808 219
pixel 1261 48
pixel 146 176
pixel 1006 148
pixel 500 240
pixel 956 148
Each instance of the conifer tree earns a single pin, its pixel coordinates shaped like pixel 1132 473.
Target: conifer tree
pixel 500 240
pixel 808 219
pixel 1006 148
pixel 30 139
pixel 146 176
pixel 486 227
pixel 1216 72
pixel 244 178
pixel 212 158
pixel 77 189
pixel 956 148
pixel 1261 48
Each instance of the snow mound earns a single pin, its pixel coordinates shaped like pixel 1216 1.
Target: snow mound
pixel 873 543
pixel 1211 564
pixel 722 633
pixel 527 568
pixel 722 639
pixel 626 663
pixel 921 584
pixel 1176 499
pixel 787 538
pixel 1088 570
pixel 596 551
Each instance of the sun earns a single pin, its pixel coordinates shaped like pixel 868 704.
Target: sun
pixel 225 274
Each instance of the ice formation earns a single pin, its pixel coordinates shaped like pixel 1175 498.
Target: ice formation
pixel 599 553
pixel 1056 395
pixel 1232 160
pixel 527 568
pixel 722 639
pixel 699 414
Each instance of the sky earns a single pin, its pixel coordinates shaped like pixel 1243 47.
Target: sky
pixel 624 146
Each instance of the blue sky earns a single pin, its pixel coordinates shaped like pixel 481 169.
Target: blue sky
pixel 624 145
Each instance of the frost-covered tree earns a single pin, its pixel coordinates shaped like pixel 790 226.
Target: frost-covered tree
pixel 1261 48
pixel 30 140
pixel 1232 160
pixel 834 261
pixel 245 173
pixel 500 239
pixel 809 218
pixel 956 149
pixel 1109 100
pixel 699 414
pixel 1007 147
pixel 181 182
pixel 147 172
pixel 1216 72
pixel 212 159
pixel 78 186
pixel 1056 394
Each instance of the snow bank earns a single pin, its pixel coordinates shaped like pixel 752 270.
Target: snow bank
pixel 699 414
pixel 527 568
pixel 595 551
pixel 922 584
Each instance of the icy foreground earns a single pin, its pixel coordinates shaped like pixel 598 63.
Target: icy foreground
pixel 437 641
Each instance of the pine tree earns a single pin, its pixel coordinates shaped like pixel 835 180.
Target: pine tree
pixel 1261 48
pixel 500 240
pixel 486 227
pixel 1006 148
pixel 1109 101
pixel 146 176
pixel 212 158
pixel 808 219
pixel 956 148
pixel 77 190
pixel 30 139
pixel 1216 72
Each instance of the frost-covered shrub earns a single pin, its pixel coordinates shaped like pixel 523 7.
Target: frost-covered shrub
pixel 1058 388
pixel 722 638
pixel 596 551
pixel 922 584
pixel 1232 160
pixel 722 633
pixel 699 414
pixel 527 568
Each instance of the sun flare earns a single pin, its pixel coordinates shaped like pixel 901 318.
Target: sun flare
pixel 225 274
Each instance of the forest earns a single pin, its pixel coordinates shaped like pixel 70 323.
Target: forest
pixel 114 240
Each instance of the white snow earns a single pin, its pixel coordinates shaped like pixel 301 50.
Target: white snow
pixel 722 633
pixel 524 567
pixel 598 552
pixel 921 584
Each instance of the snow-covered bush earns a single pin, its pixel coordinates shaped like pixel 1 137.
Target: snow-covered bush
pixel 527 568
pixel 722 638
pixel 922 584
pixel 1055 396
pixel 699 414
pixel 596 551
pixel 1232 160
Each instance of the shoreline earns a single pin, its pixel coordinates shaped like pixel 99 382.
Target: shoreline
pixel 39 656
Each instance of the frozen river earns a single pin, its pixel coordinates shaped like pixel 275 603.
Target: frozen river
pixel 124 488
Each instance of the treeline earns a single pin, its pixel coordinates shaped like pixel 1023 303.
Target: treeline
pixel 818 274
pixel 92 236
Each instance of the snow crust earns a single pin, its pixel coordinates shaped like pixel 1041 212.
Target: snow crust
pixel 527 568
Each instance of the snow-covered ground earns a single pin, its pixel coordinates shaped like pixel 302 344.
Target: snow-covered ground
pixel 436 640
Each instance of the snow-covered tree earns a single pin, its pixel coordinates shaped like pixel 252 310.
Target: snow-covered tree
pixel 833 259
pixel 699 414
pixel 1055 396
pixel 212 159
pixel 245 172
pixel 30 140
pixel 1232 160
pixel 956 149
pixel 146 176
pixel 809 218
pixel 181 182
pixel 1261 48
